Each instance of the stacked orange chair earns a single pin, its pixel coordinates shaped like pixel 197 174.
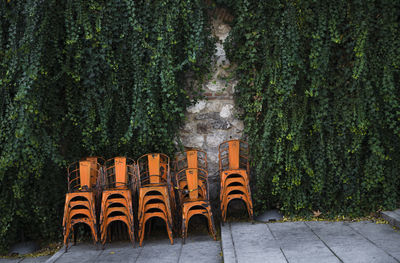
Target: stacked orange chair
pixel 155 192
pixel 80 201
pixel 119 182
pixel 192 184
pixel 235 175
pixel 96 176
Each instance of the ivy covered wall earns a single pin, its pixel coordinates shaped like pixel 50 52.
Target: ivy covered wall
pixel 319 84
pixel 83 78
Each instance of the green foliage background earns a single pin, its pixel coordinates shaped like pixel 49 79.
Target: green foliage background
pixel 319 85
pixel 87 77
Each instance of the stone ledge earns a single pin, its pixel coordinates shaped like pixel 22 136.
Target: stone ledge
pixel 228 249
pixel 393 217
pixel 56 256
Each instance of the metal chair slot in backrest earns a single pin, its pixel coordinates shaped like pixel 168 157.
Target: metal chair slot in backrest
pixel 84 174
pixel 93 170
pixel 121 176
pixel 193 183
pixel 192 159
pixel 234 147
pixel 154 168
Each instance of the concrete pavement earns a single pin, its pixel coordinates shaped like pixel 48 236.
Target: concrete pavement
pixel 198 248
pixel 310 242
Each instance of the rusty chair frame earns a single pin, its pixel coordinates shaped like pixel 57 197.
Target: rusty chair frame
pixel 193 189
pixel 80 201
pixel 119 185
pixel 155 192
pixel 234 172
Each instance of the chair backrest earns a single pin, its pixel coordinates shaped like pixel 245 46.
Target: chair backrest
pixel 153 168
pixel 191 159
pixel 96 166
pixel 233 155
pixel 119 173
pixel 192 183
pixel 191 166
pixel 82 176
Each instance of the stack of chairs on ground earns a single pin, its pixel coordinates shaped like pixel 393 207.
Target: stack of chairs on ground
pixel 119 186
pixel 235 175
pixel 111 188
pixel 191 176
pixel 155 192
pixel 81 199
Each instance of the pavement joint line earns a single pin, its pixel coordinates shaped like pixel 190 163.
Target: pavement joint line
pixel 355 230
pixel 138 255
pixel 101 252
pixel 233 242
pixel 180 252
pixel 323 242
pixel 280 247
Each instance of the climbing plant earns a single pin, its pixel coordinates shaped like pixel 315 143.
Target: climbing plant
pixel 88 77
pixel 319 86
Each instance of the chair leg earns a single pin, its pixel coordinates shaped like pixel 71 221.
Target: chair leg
pixel 183 230
pixel 141 235
pixel 93 227
pixel 169 230
pixel 211 225
pixel 66 238
pixel 132 236
pixel 186 226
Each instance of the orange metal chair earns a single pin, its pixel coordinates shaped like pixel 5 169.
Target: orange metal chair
pixel 235 175
pixel 119 183
pixel 156 197
pixel 80 201
pixel 192 184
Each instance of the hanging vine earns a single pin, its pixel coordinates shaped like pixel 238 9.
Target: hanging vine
pixel 83 78
pixel 319 87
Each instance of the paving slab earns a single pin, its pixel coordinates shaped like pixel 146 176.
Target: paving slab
pixel 25 260
pixel 82 252
pixel 36 260
pixel 310 242
pixel 160 251
pixel 201 248
pixel 10 260
pixel 382 235
pixel 300 244
pixel 118 252
pixel 347 244
pixel 255 243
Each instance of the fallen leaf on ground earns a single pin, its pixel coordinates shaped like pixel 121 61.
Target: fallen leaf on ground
pixel 317 213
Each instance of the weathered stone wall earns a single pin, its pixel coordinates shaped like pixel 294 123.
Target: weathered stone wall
pixel 214 119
